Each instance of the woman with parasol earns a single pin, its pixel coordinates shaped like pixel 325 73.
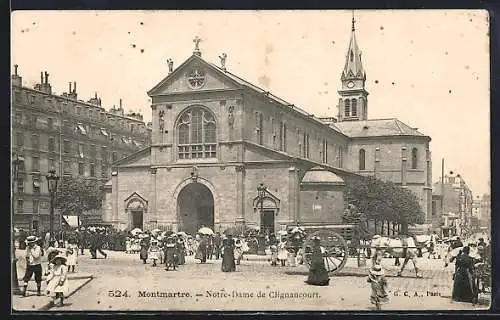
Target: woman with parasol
pixel 201 253
pixel 228 264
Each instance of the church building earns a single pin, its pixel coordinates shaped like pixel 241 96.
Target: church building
pixel 216 138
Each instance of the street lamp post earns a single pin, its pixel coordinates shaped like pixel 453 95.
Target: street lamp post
pixel 16 162
pixel 261 191
pixel 52 180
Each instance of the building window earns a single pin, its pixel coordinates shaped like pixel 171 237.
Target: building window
pixel 67 167
pixel 52 165
pixel 36 185
pixel 259 118
pixel 19 117
pixel 52 144
pixel 35 141
pixel 362 162
pixel 36 164
pixel 305 145
pixel 67 146
pixel 340 160
pixel 347 108
pixel 81 169
pixel 20 185
pixel 351 56
pixel 33 121
pixel 414 158
pixel 104 171
pixel 325 151
pixel 104 154
pixel 114 157
pixel 20 205
pixel 17 97
pixel 31 98
pixel 354 108
pixel 284 137
pixel 78 110
pixel 35 206
pixel 93 151
pixel 197 134
pixel 81 151
pixel 20 138
pixel 92 170
pixel 50 123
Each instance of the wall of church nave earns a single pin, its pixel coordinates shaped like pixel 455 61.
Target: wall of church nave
pixel 127 182
pixel 295 126
pixel 321 205
pixel 280 183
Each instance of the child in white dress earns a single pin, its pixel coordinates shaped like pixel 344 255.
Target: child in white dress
pixel 57 282
pixel 154 252
pixel 71 254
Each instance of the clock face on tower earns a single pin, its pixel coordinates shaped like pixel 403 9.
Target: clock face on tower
pixel 350 84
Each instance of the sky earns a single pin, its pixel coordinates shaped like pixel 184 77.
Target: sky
pixel 429 68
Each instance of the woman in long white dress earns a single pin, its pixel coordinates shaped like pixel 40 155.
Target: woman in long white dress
pixel 71 254
pixel 57 281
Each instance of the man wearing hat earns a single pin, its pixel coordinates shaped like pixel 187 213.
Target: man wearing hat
pixel 33 264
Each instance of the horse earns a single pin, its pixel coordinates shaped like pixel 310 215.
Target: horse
pixel 399 248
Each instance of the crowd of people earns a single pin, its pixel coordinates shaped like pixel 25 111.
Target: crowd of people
pixel 171 249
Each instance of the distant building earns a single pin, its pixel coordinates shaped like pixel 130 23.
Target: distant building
pixel 452 205
pixel 68 135
pixel 485 212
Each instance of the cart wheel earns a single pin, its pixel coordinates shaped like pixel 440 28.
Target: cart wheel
pixel 335 247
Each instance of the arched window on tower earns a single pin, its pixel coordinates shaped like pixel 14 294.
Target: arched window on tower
pixel 414 158
pixel 362 162
pixel 352 56
pixel 354 108
pixel 347 108
pixel 197 134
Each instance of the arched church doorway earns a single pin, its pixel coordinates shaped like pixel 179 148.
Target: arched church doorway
pixel 195 208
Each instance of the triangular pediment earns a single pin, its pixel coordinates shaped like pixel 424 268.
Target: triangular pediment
pixel 195 74
pixel 139 158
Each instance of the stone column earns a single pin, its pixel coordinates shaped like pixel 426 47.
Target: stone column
pixel 240 195
pixel 153 214
pixel 404 164
pixel 114 196
pixel 293 195
pixel 377 162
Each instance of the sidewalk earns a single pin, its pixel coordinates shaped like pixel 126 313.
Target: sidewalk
pixel 32 302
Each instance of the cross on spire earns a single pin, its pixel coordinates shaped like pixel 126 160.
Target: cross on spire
pixel 353 21
pixel 197 41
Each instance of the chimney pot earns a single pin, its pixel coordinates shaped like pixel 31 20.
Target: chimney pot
pixel 120 103
pixel 46 77
pixel 74 87
pixel 69 88
pixel 41 77
pixel 15 69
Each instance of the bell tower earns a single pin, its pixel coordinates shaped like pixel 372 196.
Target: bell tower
pixel 353 102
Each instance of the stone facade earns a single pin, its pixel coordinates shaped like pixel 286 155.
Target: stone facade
pixel 216 138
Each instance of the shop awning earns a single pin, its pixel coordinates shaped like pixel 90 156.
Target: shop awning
pixel 72 221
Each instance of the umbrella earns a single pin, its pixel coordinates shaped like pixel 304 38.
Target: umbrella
pixel 206 230
pixel 182 234
pixel 166 233
pixel 282 233
pixel 136 231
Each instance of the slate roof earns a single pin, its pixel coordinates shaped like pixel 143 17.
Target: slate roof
pixel 377 128
pixel 318 175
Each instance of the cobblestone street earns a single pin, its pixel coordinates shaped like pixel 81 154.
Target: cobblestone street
pixel 122 282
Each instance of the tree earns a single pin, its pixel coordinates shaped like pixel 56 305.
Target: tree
pixel 76 196
pixel 384 201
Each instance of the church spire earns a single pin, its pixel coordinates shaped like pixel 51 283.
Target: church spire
pixel 353 102
pixel 353 68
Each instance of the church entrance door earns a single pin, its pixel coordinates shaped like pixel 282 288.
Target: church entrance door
pixel 137 219
pixel 195 208
pixel 267 222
